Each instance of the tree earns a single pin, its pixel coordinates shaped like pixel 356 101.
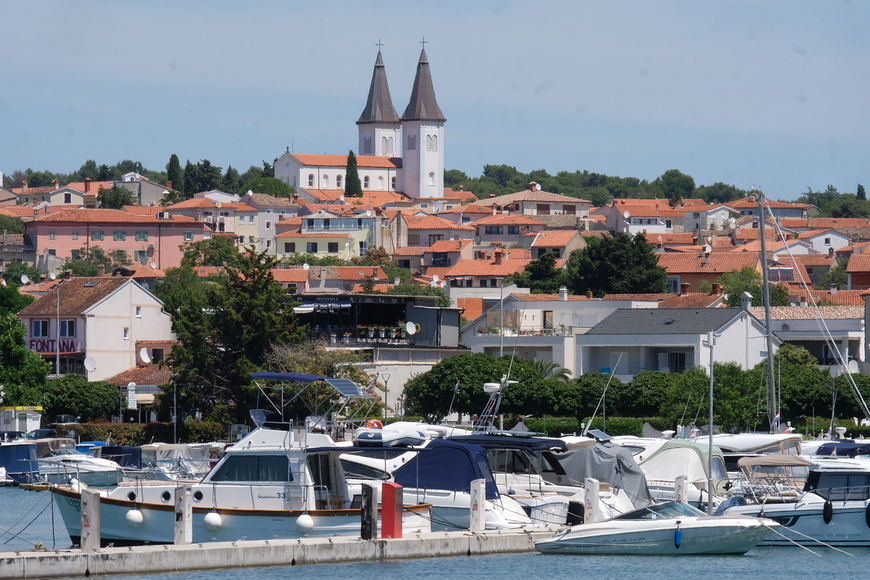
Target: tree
pixel 220 347
pixel 232 180
pixel 11 225
pixel 89 262
pixel 115 197
pixel 540 276
pixel 836 276
pixel 15 270
pixel 11 300
pixel 23 372
pixel 352 184
pixel 735 283
pixel 269 186
pixel 379 257
pixel 622 264
pixel 174 174
pixel 861 194
pixel 676 186
pixel 215 251
pixel 411 289
pixel 74 395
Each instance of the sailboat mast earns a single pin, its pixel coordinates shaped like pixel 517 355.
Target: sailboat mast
pixel 765 296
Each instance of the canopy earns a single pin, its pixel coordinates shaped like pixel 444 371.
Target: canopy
pixel 774 460
pixel 611 463
pixel 447 465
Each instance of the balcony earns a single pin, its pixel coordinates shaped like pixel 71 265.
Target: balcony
pixel 361 336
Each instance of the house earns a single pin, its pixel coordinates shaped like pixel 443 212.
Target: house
pixel 534 202
pixel 146 239
pixel 507 229
pixel 446 254
pixel 630 341
pixel 269 210
pixel 487 273
pixel 820 330
pixel 14 248
pixel 711 217
pixel 144 191
pixel 642 216
pixel 413 230
pixel 780 210
pixel 94 326
pixel 858 271
pixel 560 242
pixel 219 217
pixel 694 268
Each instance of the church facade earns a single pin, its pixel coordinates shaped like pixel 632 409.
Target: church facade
pixel 399 154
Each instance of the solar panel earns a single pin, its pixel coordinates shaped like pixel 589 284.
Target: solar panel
pixel 346 387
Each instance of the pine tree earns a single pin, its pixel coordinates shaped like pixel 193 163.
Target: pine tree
pixel 352 185
pixel 174 173
pixel 862 195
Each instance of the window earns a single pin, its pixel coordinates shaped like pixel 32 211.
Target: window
pixel 119 256
pixel 569 209
pixel 364 248
pixel 254 468
pixel 52 252
pixel 67 198
pixel 393 182
pixel 677 361
pixel 696 214
pixel 827 241
pixel 435 238
pixel 138 312
pixel 252 240
pixel 289 247
pixel 75 235
pixel 51 235
pixel 338 181
pixel 404 263
pixel 668 224
pixel 413 239
pixel 67 328
pixel 513 230
pixel 310 180
pixel 332 247
pixel 156 355
pixel 412 142
pixel 324 182
pixel 74 254
pixel 311 247
pixel 440 260
pixel 431 178
pixel 97 235
pixel 250 219
pixel 366 182
pixel 140 256
pixel 126 333
pixel 188 236
pixel 268 225
pixel 39 329
pixel 493 230
pixel 141 236
pixel 119 236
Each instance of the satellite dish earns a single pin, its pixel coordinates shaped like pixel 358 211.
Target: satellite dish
pixel 153 265
pixel 435 278
pixel 25 279
pixel 218 205
pixel 410 328
pixel 708 248
pixel 305 266
pixel 368 213
pixel 52 275
pixel 626 214
pixel 437 207
pixel 853 367
pixel 145 356
pixel 340 198
pixel 90 364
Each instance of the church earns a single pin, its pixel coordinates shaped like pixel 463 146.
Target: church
pixel 404 155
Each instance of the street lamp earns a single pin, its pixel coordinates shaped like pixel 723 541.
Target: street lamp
pixel 57 327
pixel 386 392
pixel 501 318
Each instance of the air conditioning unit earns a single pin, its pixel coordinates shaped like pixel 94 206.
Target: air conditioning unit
pixel 164 215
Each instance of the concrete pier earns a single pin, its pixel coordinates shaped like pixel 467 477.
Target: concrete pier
pixel 242 554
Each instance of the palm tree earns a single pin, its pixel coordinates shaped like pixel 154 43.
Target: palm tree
pixel 547 369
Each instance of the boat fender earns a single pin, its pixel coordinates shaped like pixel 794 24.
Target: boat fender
pixel 213 521
pixel 678 536
pixel 305 524
pixel 374 424
pixel 867 514
pixel 828 512
pixel 134 518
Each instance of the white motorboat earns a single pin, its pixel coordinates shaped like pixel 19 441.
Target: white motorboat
pixel 268 485
pixel 63 464
pixel 832 509
pixel 670 528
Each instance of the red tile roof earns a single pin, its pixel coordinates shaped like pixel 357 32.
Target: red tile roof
pixel 341 161
pixel 716 263
pixel 554 238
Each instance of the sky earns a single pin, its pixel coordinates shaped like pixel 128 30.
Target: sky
pixel 772 94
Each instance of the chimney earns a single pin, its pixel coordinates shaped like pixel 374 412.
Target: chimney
pixel 804 302
pixel 833 289
pixel 684 288
pixel 1 179
pixel 533 186
pixel 23 187
pixel 746 301
pixel 56 183
pixel 36 213
pixel 169 184
pixel 4 237
pixel 87 184
pixel 101 270
pixel 717 290
pixel 589 294
pixel 497 257
pixel 563 294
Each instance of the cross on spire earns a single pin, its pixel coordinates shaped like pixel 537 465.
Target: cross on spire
pixel 379 44
pixel 423 42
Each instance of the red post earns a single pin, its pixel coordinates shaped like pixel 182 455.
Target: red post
pixel 391 510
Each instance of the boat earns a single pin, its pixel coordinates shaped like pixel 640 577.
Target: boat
pixel 274 482
pixel 833 507
pixel 374 434
pixel 670 528
pixel 55 460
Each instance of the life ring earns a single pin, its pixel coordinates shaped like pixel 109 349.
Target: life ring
pixel 416 327
pixel 374 424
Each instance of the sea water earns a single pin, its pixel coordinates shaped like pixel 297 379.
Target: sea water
pixel 29 517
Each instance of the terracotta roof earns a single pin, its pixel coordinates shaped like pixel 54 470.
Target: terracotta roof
pixel 360 288
pixel 340 161
pixel 840 297
pixel 19 211
pixel 479 268
pixel 432 222
pixel 471 208
pixel 505 219
pixel 460 195
pixel 292 274
pixel 271 200
pixel 810 313
pixel 523 297
pixel 716 263
pixel 535 196
pixel 143 209
pixel 816 259
pixel 746 202
pixel 410 251
pixel 106 216
pixel 449 245
pixel 858 263
pixel 359 272
pixel 554 238
pixel 76 295
pixel 794 223
pixel 772 246
pixel 147 375
pixel 680 239
pixel 839 222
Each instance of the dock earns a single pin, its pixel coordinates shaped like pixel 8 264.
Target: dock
pixel 245 554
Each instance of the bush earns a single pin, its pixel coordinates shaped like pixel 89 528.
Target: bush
pixel 144 433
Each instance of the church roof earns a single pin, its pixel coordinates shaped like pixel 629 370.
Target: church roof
pixel 423 106
pixel 379 106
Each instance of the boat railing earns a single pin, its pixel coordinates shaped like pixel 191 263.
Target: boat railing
pixel 851 493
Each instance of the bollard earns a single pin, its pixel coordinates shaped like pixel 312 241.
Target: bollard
pixel 392 508
pixel 592 509
pixel 478 506
pixel 680 488
pixel 369 524
pixel 183 516
pixel 90 538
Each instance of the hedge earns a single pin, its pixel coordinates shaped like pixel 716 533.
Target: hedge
pixel 143 433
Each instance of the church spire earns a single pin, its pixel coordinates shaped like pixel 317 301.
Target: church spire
pixel 379 106
pixel 423 106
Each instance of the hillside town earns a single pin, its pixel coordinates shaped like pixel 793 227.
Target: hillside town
pixel 112 327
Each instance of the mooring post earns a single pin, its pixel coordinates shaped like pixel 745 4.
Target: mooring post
pixel 478 506
pixel 592 511
pixel 90 536
pixel 369 524
pixel 183 516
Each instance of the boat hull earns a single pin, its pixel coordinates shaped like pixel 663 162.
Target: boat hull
pixel 804 523
pixel 696 536
pixel 158 522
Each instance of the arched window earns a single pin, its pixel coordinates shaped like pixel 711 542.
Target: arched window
pixel 324 182
pixel 431 178
pixel 367 146
pixel 428 142
pixel 434 143
pixel 338 182
pixel 381 182
pixel 366 182
pixel 310 180
pixel 393 183
pixel 412 142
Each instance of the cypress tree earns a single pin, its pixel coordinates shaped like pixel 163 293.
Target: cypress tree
pixel 174 173
pixel 352 185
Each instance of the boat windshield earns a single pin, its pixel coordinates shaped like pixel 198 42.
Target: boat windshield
pixel 672 509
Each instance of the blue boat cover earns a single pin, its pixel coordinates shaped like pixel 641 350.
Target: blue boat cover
pixel 124 455
pixel 844 448
pixel 447 465
pixel 19 459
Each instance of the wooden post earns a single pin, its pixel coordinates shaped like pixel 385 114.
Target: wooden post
pixel 392 509
pixel 90 537
pixel 183 516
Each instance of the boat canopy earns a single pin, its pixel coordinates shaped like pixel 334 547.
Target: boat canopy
pixel 607 462
pixel 774 460
pixel 498 441
pixel 448 465
pixel 844 448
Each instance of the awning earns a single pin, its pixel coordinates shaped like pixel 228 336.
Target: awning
pixel 330 306
pixel 303 309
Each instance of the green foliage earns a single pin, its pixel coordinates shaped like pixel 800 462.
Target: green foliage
pixel 747 279
pixel 74 395
pixel 618 426
pixel 174 173
pixel 215 251
pixel 115 197
pixel 540 276
pixel 411 289
pixel 232 181
pixel 379 257
pixel 314 260
pixel 675 185
pixel 11 225
pixel 832 203
pixel 791 355
pixel 143 433
pixel 15 270
pixel 23 372
pixel 836 276
pixel 11 300
pixel 553 426
pixel 269 186
pixel 88 261
pixel 200 177
pixel 352 184
pixel 621 264
pixel 860 194
pixel 645 394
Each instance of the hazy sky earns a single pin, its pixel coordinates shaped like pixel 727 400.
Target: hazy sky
pixel 747 92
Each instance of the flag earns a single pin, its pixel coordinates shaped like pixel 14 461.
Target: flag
pixel 456 386
pixel 371 386
pixel 776 418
